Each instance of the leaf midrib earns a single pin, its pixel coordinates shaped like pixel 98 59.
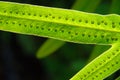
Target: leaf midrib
pixel 59 22
pixel 100 68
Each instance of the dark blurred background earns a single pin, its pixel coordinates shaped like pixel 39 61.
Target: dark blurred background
pixel 18 52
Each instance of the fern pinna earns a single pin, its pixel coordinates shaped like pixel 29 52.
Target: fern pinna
pixel 68 25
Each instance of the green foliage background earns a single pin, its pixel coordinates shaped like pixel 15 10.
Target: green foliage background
pixel 18 52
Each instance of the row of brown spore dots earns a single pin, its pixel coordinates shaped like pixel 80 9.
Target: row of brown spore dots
pixel 69 32
pixel 59 17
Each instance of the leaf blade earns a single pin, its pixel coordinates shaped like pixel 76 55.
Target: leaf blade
pixel 49 47
pixel 102 66
pixel 71 27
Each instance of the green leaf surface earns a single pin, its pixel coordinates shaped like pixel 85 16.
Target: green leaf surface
pixel 101 67
pixel 77 5
pixel 68 25
pixel 98 49
pixel 62 24
pixel 86 5
pixel 49 47
pixel 115 7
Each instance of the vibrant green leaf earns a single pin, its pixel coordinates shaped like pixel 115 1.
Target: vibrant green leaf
pixel 68 25
pixel 98 49
pixel 101 67
pixel 49 47
pixel 77 5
